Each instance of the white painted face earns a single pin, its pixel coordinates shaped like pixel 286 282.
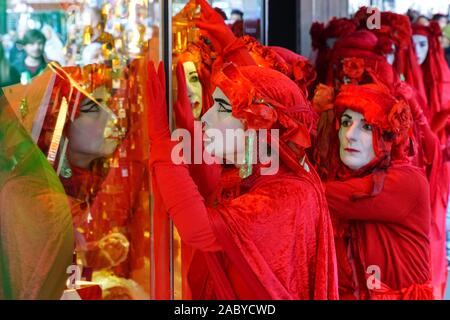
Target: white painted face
pixel 421 46
pixel 194 88
pixel 218 120
pixel 390 57
pixel 92 133
pixel 355 137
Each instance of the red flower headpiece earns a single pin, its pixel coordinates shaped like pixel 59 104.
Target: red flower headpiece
pixel 260 111
pixel 264 56
pixel 379 107
pixel 355 57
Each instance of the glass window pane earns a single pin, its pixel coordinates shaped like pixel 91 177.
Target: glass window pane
pixel 76 93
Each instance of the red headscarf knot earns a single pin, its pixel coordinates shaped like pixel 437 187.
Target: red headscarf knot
pixel 353 68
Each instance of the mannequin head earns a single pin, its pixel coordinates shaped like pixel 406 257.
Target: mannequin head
pixel 92 134
pixel 356 142
pixel 421 46
pixel 194 87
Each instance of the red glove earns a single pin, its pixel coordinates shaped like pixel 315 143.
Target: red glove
pixel 154 98
pixel 212 22
pixel 233 49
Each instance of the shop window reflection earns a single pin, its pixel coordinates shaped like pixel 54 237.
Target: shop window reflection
pixel 102 43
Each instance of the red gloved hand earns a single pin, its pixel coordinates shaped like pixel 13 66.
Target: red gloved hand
pixel 154 97
pixel 213 23
pixel 184 118
pixel 206 177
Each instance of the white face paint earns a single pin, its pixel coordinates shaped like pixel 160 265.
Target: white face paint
pixel 194 88
pixel 355 137
pixel 390 57
pixel 219 118
pixel 92 134
pixel 421 46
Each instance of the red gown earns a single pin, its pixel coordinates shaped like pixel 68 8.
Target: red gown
pixel 390 230
pixel 272 241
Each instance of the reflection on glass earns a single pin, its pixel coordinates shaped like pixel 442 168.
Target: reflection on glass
pixel 243 16
pixel 86 115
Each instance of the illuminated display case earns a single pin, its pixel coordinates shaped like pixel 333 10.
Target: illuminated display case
pixel 121 244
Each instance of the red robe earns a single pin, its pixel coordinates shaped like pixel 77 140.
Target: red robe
pixel 390 230
pixel 436 77
pixel 273 241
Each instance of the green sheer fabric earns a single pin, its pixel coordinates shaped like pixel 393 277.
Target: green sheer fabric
pixel 36 233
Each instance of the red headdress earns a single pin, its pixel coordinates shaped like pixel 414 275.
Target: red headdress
pixel 356 55
pixel 266 99
pixel 293 65
pixel 388 113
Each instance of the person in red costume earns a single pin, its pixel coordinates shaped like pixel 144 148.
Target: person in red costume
pixel 379 203
pixel 257 236
pixel 323 39
pixel 357 56
pixel 394 37
pixel 436 75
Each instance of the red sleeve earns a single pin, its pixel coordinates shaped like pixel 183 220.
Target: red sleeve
pixel 185 205
pixel 403 188
pixel 206 177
